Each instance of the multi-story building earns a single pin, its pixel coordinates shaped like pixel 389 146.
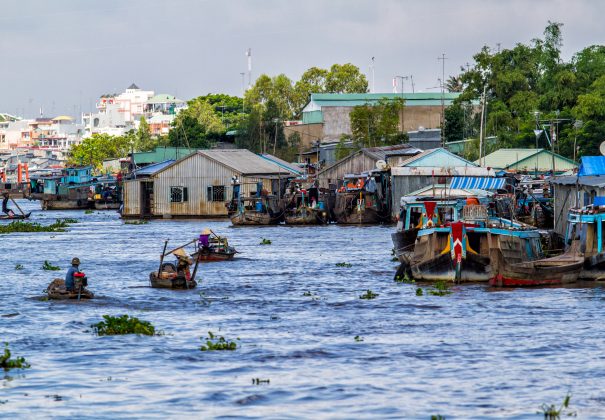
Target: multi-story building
pixel 118 114
pixel 56 133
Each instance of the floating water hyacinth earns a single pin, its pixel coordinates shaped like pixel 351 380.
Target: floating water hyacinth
pixel 120 325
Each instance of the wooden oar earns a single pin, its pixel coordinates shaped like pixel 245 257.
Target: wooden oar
pixel 161 261
pixel 178 247
pixel 197 261
pixel 15 203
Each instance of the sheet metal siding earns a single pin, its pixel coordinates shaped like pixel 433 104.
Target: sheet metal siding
pixel 402 185
pixel 355 165
pixel 566 197
pixel 197 174
pixel 132 198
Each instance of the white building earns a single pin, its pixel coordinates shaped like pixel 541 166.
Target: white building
pixel 117 114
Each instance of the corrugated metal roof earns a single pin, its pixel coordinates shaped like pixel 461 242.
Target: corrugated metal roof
pixel 163 98
pixel 287 166
pixel 381 152
pixel 161 154
pixel 319 100
pixel 440 158
pixel 592 165
pixel 244 161
pixel 591 181
pixel 502 158
pixel 477 183
pixel 527 159
pixel 150 170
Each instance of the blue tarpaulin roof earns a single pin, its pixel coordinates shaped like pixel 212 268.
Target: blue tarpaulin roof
pixel 477 183
pixel 592 165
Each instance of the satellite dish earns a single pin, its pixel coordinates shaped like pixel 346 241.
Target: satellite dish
pixel 382 165
pixel 602 148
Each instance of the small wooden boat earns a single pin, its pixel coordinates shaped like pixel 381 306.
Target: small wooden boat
pixel 306 216
pixel 363 199
pixel 107 205
pixel 264 210
pixel 15 216
pixel 562 269
pixel 170 280
pixel 215 253
pixel 171 276
pixel 56 290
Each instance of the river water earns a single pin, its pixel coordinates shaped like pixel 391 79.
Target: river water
pixel 477 352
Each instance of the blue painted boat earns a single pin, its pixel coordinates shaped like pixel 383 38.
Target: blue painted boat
pixel 454 240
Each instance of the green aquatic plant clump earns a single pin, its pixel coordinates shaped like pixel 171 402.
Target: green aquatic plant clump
pixel 19 267
pixel 344 264
pixel 265 241
pixel 49 267
pixel 368 295
pixel 551 412
pixel 217 343
pixel 7 363
pixel 404 279
pixel 69 221
pixel 440 288
pixel 120 325
pixel 19 226
pixel 88 211
pixel 136 222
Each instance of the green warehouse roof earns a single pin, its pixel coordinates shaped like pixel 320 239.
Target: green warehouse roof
pixel 527 160
pixel 161 154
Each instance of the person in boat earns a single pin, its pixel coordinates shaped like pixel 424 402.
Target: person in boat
pixel 183 263
pixel 5 208
pixel 204 241
pixel 70 281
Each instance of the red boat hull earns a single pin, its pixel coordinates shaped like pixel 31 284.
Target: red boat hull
pixel 502 281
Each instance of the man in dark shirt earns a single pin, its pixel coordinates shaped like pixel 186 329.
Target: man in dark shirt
pixel 69 277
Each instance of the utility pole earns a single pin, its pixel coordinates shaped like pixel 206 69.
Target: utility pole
pixel 243 74
pixel 402 101
pixel 481 146
pixel 412 80
pixel 442 59
pixel 373 80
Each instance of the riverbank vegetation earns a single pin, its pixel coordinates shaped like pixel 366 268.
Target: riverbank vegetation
pixel 531 87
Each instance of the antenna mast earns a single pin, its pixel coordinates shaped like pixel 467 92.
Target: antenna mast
pixel 249 55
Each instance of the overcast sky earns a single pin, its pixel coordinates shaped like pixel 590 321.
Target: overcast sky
pixel 63 54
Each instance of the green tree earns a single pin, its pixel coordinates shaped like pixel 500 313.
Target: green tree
pixel 377 125
pixel 278 89
pixel 346 78
pixel 454 123
pixel 196 126
pixel 342 149
pixel 95 149
pixel 144 142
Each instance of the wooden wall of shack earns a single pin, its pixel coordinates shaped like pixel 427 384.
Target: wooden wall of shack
pixel 196 173
pixel 403 185
pixel 355 164
pixel 568 196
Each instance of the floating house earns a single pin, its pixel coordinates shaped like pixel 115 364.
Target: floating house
pixel 582 189
pixel 365 160
pixel 528 161
pixel 434 166
pixel 200 184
